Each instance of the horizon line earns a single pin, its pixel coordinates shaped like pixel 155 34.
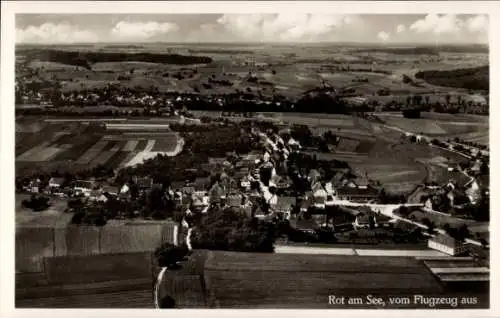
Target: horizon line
pixel 265 43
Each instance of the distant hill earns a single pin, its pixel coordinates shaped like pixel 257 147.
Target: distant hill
pixel 86 59
pixel 468 78
pixel 428 50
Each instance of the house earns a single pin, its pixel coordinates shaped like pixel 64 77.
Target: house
pixel 270 198
pixel 97 196
pixel 110 190
pixel 124 189
pixel 457 198
pixel 143 183
pixel 200 199
pixel 187 190
pixel 83 187
pixel 177 185
pixel 228 184
pixel 305 205
pixel 477 166
pixel 447 244
pixel 364 220
pixel 56 183
pixel 362 183
pixel 305 225
pixel 438 202
pixel 337 179
pixel 216 193
pixel 475 186
pixel 34 186
pixel 313 175
pixel 361 195
pixel 234 200
pixel 284 205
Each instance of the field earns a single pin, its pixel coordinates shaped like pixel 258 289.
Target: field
pixel 375 150
pixel 467 127
pixel 49 233
pixel 285 69
pixel 61 145
pixel 227 274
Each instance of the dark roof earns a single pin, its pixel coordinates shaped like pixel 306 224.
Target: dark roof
pixel 84 184
pixel 445 240
pixel 285 203
pixel 234 200
pixel 483 180
pixel 110 189
pixel 382 217
pixel 364 218
pixel 177 185
pixel 188 189
pixel 201 183
pixel 304 224
pixel 144 182
pixel 249 280
pixel 56 180
pixel 357 191
pixel 216 191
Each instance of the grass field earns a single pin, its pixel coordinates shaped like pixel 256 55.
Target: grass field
pixel 228 275
pixel 49 233
pixel 60 145
pixel 442 125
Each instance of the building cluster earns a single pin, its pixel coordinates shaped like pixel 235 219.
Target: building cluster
pixel 455 195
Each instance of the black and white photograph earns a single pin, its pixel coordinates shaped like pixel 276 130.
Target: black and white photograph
pixel 275 160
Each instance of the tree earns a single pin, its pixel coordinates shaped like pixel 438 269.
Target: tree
pixel 448 99
pixel 427 99
pixel 462 232
pixel 168 255
pixel 229 230
pixel 36 203
pixel 429 224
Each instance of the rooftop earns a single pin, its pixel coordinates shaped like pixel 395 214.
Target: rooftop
pixel 445 240
pixel 357 191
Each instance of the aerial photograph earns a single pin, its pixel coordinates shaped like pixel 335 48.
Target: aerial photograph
pixel 252 161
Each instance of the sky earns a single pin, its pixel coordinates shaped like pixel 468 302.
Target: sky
pixel 287 28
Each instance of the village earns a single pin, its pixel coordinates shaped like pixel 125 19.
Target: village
pixel 313 202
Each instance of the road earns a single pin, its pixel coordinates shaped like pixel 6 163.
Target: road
pixel 282 249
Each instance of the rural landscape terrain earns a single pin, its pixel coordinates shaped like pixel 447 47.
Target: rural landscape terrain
pixel 245 175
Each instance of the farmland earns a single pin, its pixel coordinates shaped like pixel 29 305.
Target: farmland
pixel 467 127
pixel 259 69
pixel 49 233
pixel 62 145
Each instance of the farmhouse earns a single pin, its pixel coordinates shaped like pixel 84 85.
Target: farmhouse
pixel 144 183
pixel 364 220
pixel 447 244
pixel 216 193
pixel 83 187
pixel 319 195
pixel 367 194
pixel 55 183
pixel 457 198
pixel 304 225
pixel 110 190
pixel 284 205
